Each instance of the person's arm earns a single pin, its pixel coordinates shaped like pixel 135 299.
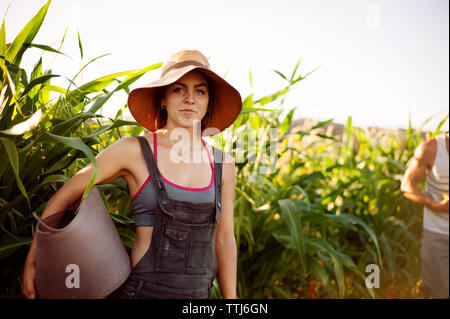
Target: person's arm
pixel 422 161
pixel 226 250
pixel 111 165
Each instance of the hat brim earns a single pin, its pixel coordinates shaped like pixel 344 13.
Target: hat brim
pixel 227 104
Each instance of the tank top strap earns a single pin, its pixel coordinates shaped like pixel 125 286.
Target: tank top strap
pixel 155 175
pixel 218 159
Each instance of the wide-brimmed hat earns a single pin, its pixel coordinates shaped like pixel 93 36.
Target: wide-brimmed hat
pixel 225 107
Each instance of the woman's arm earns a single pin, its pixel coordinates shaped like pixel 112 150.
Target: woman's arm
pixel 225 242
pixel 111 164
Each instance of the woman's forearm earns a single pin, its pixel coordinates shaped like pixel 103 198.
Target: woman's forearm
pixel 227 267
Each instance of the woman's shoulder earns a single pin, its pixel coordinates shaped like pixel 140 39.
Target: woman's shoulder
pixel 126 143
pixel 125 147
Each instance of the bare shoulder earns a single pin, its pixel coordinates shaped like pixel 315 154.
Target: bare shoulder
pixel 426 152
pixel 120 152
pixel 427 148
pixel 124 146
pixel 114 161
pixel 429 145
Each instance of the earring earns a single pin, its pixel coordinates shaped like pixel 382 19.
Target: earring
pixel 163 106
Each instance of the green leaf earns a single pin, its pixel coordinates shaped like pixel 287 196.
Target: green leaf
pixel 115 124
pixel 13 158
pixel 318 271
pixel 49 180
pixel 248 102
pixel 281 74
pixel 57 89
pixel 270 98
pixel 321 124
pixel 124 84
pixel 351 219
pixel 71 123
pixel 437 131
pixel 295 71
pixel 96 85
pixel 286 124
pixel 292 219
pixel 37 81
pixel 281 292
pixel 9 244
pixel 78 144
pixel 2 41
pixel 37 70
pixel 80 46
pixel 319 244
pixel 43 47
pixel 16 50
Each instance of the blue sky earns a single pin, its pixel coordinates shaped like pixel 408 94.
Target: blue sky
pixel 378 61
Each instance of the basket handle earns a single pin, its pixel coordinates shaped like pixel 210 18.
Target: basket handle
pixel 40 221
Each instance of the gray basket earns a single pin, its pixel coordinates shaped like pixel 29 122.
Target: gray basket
pixel 79 254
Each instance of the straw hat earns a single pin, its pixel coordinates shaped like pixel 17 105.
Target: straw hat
pixel 144 102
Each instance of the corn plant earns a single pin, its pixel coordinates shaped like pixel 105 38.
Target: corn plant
pixel 44 141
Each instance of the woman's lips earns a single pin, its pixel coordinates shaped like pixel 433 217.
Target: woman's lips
pixel 188 111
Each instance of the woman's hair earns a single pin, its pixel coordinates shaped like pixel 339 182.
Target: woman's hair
pixel 161 114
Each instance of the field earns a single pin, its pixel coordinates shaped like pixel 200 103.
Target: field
pixel 313 207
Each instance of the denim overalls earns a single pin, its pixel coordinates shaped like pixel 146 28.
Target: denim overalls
pixel 181 261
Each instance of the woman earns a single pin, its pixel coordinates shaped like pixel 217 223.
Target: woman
pixel 183 209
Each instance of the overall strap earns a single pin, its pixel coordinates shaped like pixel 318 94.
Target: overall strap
pixel 155 176
pixel 218 159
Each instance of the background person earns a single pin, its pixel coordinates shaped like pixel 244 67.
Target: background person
pixel 431 158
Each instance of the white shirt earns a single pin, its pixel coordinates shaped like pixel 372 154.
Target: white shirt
pixel 436 186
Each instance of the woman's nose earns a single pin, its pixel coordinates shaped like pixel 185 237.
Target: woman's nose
pixel 190 97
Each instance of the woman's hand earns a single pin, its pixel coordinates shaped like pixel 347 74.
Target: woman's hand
pixel 29 277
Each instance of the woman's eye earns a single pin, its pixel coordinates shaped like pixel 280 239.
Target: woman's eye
pixel 177 90
pixel 201 91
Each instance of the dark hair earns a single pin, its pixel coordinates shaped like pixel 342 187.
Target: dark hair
pixel 161 114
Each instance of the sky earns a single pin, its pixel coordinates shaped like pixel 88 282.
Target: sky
pixel 379 61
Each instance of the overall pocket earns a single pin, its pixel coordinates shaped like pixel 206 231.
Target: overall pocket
pixel 173 248
pixel 174 243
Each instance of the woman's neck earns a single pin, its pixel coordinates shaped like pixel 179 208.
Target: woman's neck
pixel 188 138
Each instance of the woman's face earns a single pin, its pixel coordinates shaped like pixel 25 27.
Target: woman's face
pixel 186 100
